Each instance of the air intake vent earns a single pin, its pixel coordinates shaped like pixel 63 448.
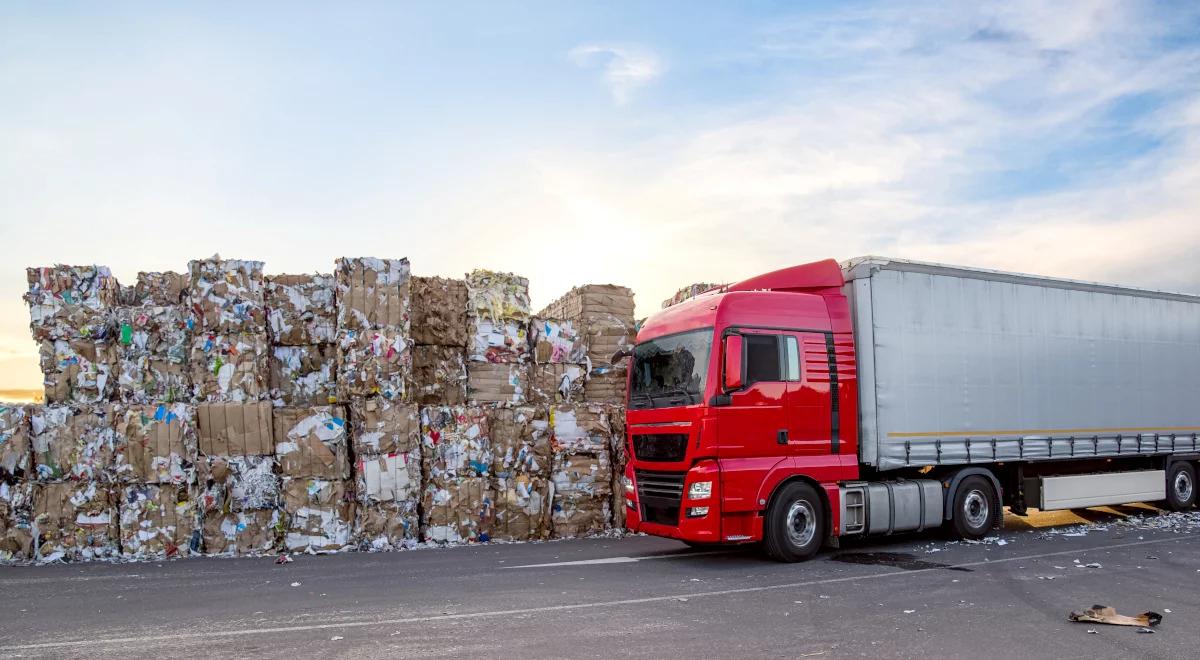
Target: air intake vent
pixel 660 446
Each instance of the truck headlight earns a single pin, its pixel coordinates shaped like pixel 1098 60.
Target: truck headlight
pixel 701 490
pixel 628 483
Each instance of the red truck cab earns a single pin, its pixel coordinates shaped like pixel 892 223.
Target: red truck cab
pixel 737 396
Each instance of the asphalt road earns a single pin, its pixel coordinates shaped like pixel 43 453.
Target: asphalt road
pixel 917 597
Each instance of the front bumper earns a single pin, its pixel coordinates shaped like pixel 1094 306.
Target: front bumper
pixel 647 511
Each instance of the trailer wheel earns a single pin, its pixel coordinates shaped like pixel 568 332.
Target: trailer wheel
pixel 794 528
pixel 975 507
pixel 1181 486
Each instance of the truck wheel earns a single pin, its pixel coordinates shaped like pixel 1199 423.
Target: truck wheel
pixel 795 524
pixel 975 508
pixel 1181 486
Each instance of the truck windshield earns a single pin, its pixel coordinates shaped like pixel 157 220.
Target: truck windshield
pixel 670 371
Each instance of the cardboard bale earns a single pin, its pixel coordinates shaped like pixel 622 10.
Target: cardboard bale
pixel 520 440
pixel 71 302
pixel 382 526
pixel 497 296
pixel 16 509
pixel 301 309
pixel 455 442
pixel 605 385
pixel 502 341
pixel 151 354
pixel 78 371
pixel 392 477
pixel 555 341
pixel 146 378
pixel 319 515
pixel 77 443
pixel 381 426
pixel 242 532
pixel 227 296
pixel 439 311
pixel 581 428
pixel 303 375
pixel 74 520
pixel 373 294
pixel 237 483
pixel 233 367
pixel 689 292
pixel 311 442
pixel 618 457
pixel 439 375
pixel 592 301
pixel 16 461
pixel 489 382
pixel 522 508
pixel 556 383
pixel 157 521
pixel 159 290
pixel 605 337
pixel 373 363
pixel 457 510
pixel 235 429
pixel 159 442
pixel 582 495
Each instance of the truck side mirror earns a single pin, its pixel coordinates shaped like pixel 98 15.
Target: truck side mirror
pixel 732 378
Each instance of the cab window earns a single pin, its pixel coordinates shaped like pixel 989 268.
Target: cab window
pixel 771 358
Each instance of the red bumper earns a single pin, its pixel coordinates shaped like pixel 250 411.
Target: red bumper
pixel 691 524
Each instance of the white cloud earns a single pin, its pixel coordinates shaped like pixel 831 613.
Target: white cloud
pixel 626 68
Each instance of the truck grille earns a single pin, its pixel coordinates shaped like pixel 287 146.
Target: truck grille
pixel 660 495
pixel 660 446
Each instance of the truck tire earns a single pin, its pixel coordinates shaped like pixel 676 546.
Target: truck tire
pixel 975 508
pixel 1181 486
pixel 794 528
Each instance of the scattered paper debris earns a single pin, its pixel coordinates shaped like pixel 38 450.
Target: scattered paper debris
pixel 295 584
pixel 336 638
pixel 909 611
pixel 1106 614
pixel 284 559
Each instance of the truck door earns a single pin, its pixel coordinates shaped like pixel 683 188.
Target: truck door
pixel 807 363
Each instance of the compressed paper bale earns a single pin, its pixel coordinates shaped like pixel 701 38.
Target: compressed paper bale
pixel 74 520
pixel 439 375
pixel 505 340
pixel 605 337
pixel 592 301
pixel 71 302
pixel 392 477
pixel 689 292
pixel 242 533
pixel 556 341
pixel 497 383
pixel 16 509
pixel 580 428
pixel 159 442
pixel 373 294
pixel 618 456
pixel 144 378
pixel 303 375
pixel 162 331
pixel 458 510
pixel 157 521
pixel 159 289
pixel 16 460
pixel 520 440
pixel 227 296
pixel 235 429
pixel 582 495
pixel 373 363
pixel 382 526
pixel 79 371
pixel 497 296
pixel 455 442
pixel 522 508
pixel 301 309
pixel 320 514
pixel 301 492
pixel 605 385
pixel 77 443
pixel 237 483
pixel 381 426
pixel 556 383
pixel 439 311
pixel 311 442
pixel 233 368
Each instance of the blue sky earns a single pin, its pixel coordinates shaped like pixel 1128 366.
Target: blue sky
pixel 649 144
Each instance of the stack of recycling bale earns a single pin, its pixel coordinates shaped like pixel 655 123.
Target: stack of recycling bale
pixel 16 489
pixel 375 362
pixel 688 292
pixel 588 430
pixel 153 333
pixel 302 324
pixel 70 310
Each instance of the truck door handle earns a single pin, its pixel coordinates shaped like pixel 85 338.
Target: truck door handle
pixel 782 437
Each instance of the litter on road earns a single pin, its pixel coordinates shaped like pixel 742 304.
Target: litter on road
pixel 1108 615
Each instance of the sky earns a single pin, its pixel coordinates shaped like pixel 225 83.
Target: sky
pixel 645 144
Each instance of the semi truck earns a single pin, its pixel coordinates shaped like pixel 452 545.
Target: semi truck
pixel 880 396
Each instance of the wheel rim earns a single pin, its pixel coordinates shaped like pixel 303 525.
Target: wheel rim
pixel 801 523
pixel 1183 486
pixel 975 509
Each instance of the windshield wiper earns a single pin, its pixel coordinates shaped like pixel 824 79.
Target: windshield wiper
pixel 649 399
pixel 679 390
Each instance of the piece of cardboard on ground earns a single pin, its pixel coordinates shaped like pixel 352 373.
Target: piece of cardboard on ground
pixel 16 458
pixel 489 382
pixel 455 442
pixel 373 363
pixel 384 426
pixel 373 294
pixel 439 311
pixel 311 441
pixel 235 429
pixel 230 367
pixel 227 295
pixel 458 510
pixel 157 521
pixel 439 375
pixel 520 441
pixel 522 508
pixel 303 375
pixel 74 520
pixel 159 442
pixel 241 533
pixel 301 309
